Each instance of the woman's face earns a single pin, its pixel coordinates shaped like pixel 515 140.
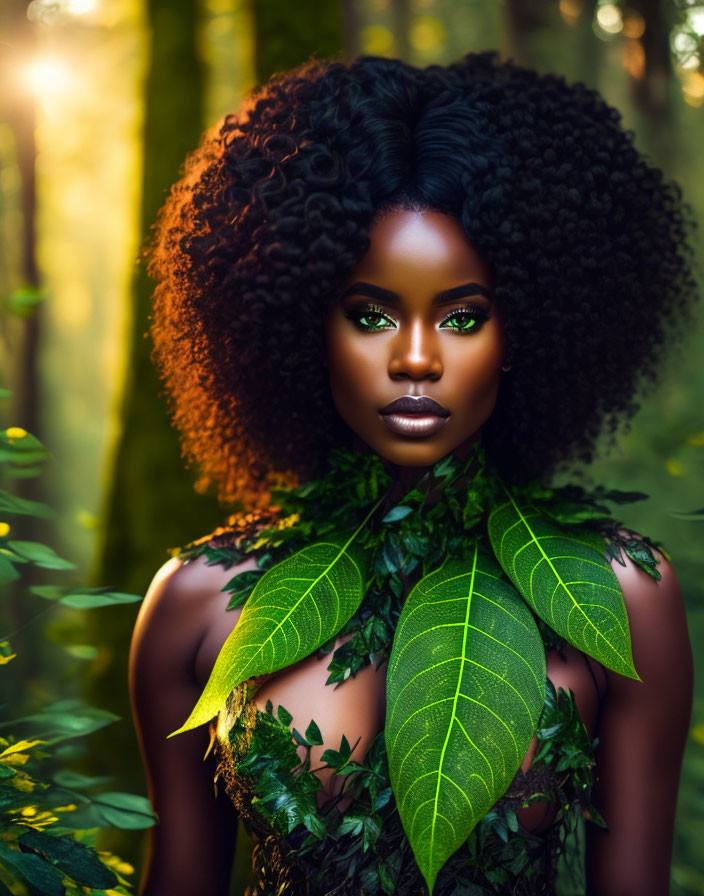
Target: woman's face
pixel 415 343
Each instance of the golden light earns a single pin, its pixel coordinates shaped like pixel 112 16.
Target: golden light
pixel 52 11
pixel 571 10
pixel 80 7
pixel 693 88
pixel 609 19
pixel 427 34
pixel 633 24
pixel 634 59
pixel 377 40
pixel 46 77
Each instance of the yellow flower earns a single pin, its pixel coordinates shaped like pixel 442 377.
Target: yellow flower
pixel 15 432
pixel 674 466
pixel 4 529
pixel 697 733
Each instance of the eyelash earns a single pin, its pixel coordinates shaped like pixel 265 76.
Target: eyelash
pixel 473 311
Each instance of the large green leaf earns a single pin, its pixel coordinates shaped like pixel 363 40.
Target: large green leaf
pixel 465 688
pixel 564 576
pixel 41 876
pixel 39 554
pixel 75 859
pixel 295 607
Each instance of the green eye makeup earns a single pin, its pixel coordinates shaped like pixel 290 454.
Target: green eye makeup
pixel 373 319
pixel 466 320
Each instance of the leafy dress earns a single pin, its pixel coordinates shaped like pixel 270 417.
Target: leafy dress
pixel 460 587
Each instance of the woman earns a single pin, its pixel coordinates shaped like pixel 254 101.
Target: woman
pixel 418 294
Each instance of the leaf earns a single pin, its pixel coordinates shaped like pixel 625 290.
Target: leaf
pixel 7 571
pixel 313 735
pixel 21 450
pixel 82 651
pixel 13 504
pixel 127 811
pixel 396 513
pixel 84 598
pixel 240 587
pixel 23 301
pixel 6 653
pixel 296 606
pixel 66 719
pixel 75 859
pixel 284 716
pixel 691 515
pixel 565 578
pixel 20 747
pixel 465 688
pixel 40 554
pixel 77 780
pixel 42 877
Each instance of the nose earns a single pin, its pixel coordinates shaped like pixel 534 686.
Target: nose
pixel 415 353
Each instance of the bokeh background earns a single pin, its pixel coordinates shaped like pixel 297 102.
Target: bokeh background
pixel 100 102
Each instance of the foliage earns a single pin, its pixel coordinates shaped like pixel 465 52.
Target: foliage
pixel 47 812
pixel 553 542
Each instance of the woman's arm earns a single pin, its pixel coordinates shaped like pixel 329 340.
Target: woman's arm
pixel 642 732
pixel 191 849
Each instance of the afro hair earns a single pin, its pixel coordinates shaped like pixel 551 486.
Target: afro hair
pixel 588 246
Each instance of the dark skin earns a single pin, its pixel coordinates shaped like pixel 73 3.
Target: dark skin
pixel 415 317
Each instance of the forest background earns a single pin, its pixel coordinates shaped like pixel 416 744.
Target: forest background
pixel 100 102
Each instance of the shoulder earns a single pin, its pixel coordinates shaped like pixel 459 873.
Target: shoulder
pixel 184 588
pixel 179 607
pixel 657 618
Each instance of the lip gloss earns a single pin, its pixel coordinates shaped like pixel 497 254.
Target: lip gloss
pixel 414 425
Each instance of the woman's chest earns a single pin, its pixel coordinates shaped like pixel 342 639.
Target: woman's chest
pixel 356 708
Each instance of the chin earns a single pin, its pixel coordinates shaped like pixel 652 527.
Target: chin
pixel 413 453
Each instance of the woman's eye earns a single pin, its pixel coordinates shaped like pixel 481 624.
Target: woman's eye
pixel 370 319
pixel 464 321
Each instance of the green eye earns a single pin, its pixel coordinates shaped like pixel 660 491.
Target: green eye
pixel 371 319
pixel 467 321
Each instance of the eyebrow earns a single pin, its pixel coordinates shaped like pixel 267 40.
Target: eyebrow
pixel 386 295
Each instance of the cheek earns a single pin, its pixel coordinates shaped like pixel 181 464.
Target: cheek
pixel 353 364
pixel 480 373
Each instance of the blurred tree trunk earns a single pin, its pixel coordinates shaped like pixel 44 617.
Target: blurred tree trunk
pixel 523 19
pixel 588 56
pixel 24 329
pixel 150 503
pixel 351 27
pixel 287 34
pixel 401 17
pixel 649 65
pixel 554 37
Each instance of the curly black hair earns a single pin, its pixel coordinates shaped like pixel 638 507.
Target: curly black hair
pixel 588 244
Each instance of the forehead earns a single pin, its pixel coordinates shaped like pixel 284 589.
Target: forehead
pixel 407 245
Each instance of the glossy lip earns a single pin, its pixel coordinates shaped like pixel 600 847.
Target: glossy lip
pixel 421 405
pixel 415 425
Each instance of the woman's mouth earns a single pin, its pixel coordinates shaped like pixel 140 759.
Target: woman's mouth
pixel 417 417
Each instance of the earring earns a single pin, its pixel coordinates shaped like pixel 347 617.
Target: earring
pixel 506 368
